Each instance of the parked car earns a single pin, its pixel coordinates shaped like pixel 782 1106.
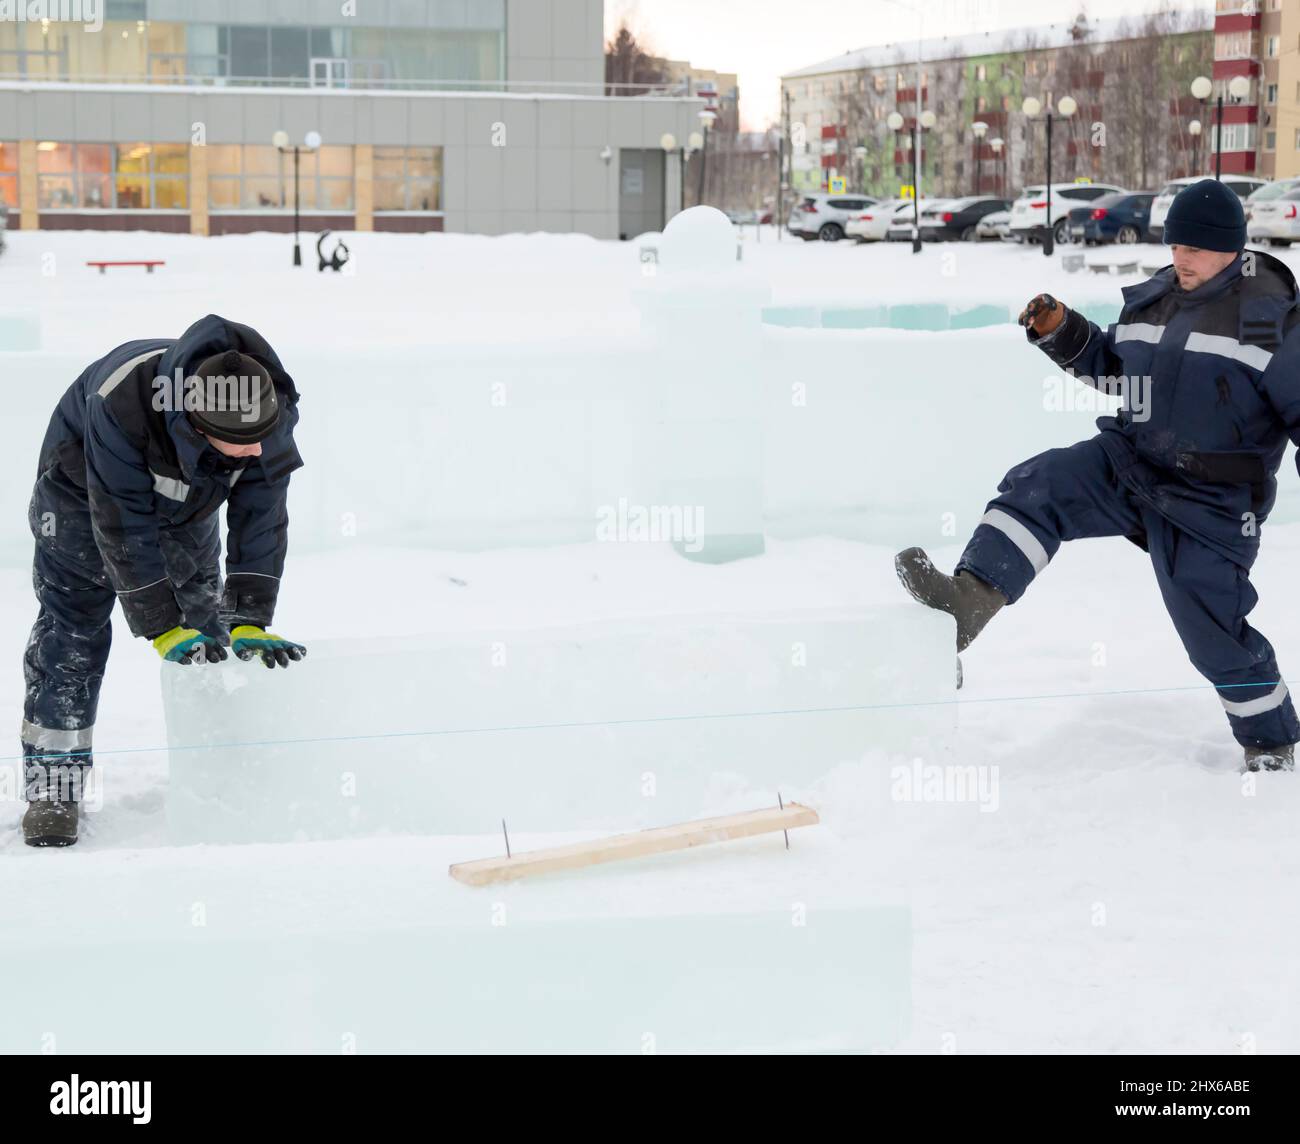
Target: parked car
pixel 1271 190
pixel 1276 221
pixel 1241 185
pixel 995 225
pixel 1267 219
pixel 900 226
pixel 1121 217
pixel 873 223
pixel 1029 211
pixel 826 216
pixel 957 220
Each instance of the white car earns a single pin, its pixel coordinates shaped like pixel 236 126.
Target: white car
pixel 995 225
pixel 1269 220
pixel 1276 220
pixel 872 224
pixel 1241 185
pixel 1029 211
pixel 900 226
pixel 825 216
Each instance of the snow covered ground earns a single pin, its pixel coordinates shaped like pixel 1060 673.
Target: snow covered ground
pixel 1112 884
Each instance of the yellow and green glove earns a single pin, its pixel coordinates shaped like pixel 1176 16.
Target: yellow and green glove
pixel 189 645
pixel 247 641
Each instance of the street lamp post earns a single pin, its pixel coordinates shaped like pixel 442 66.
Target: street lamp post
pixel 996 144
pixel 860 153
pixel 311 144
pixel 979 129
pixel 706 120
pixel 1066 106
pixel 924 120
pixel 1238 89
pixel 1194 129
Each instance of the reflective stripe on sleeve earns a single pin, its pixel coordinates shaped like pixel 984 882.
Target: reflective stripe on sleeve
pixel 1254 356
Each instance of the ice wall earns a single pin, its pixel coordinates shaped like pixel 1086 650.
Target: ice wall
pixel 868 434
pixel 372 948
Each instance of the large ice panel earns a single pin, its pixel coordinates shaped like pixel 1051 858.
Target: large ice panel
pixel 609 726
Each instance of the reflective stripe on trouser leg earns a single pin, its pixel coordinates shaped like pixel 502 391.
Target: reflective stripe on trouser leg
pixel 1003 552
pixel 1020 536
pixel 1209 597
pixel 1244 709
pixel 50 741
pixel 1059 495
pixel 64 660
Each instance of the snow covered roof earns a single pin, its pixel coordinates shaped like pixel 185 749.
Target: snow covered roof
pixel 987 43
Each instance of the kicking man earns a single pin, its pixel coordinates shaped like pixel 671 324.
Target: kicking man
pixel 140 454
pixel 1207 356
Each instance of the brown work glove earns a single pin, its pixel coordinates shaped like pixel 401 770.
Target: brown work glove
pixel 1042 315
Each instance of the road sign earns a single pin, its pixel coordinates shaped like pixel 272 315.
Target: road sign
pixel 839 184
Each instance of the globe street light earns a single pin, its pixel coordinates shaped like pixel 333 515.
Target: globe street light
pixel 1238 89
pixel 979 129
pixel 925 120
pixel 1065 107
pixel 311 144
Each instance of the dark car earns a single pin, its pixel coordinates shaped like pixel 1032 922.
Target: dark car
pixel 1119 217
pixel 957 219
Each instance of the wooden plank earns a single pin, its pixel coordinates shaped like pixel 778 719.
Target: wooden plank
pixel 658 840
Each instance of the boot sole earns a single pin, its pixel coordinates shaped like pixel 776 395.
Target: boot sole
pixel 51 840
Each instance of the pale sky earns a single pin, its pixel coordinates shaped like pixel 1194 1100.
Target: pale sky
pixel 760 39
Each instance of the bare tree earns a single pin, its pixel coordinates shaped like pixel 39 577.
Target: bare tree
pixel 631 67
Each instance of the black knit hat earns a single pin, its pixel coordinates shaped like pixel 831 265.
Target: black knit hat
pixel 231 397
pixel 1206 215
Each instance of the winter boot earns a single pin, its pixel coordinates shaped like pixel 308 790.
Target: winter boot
pixel 1270 758
pixel 970 601
pixel 54 793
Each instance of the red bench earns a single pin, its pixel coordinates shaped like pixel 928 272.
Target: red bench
pixel 147 264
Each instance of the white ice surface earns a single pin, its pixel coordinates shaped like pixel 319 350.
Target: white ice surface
pixel 1126 893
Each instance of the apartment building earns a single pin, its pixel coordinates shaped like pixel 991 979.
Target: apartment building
pixel 1129 77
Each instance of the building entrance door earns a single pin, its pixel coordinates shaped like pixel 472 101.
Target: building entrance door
pixel 640 191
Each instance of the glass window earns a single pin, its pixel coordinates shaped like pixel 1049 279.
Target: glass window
pixel 259 178
pixel 249 52
pixel 408 178
pixel 223 194
pixel 290 53
pixel 224 159
pixel 201 40
pixel 171 159
pixel 262 160
pixel 95 175
pixel 262 193
pixel 9 174
pixel 55 179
